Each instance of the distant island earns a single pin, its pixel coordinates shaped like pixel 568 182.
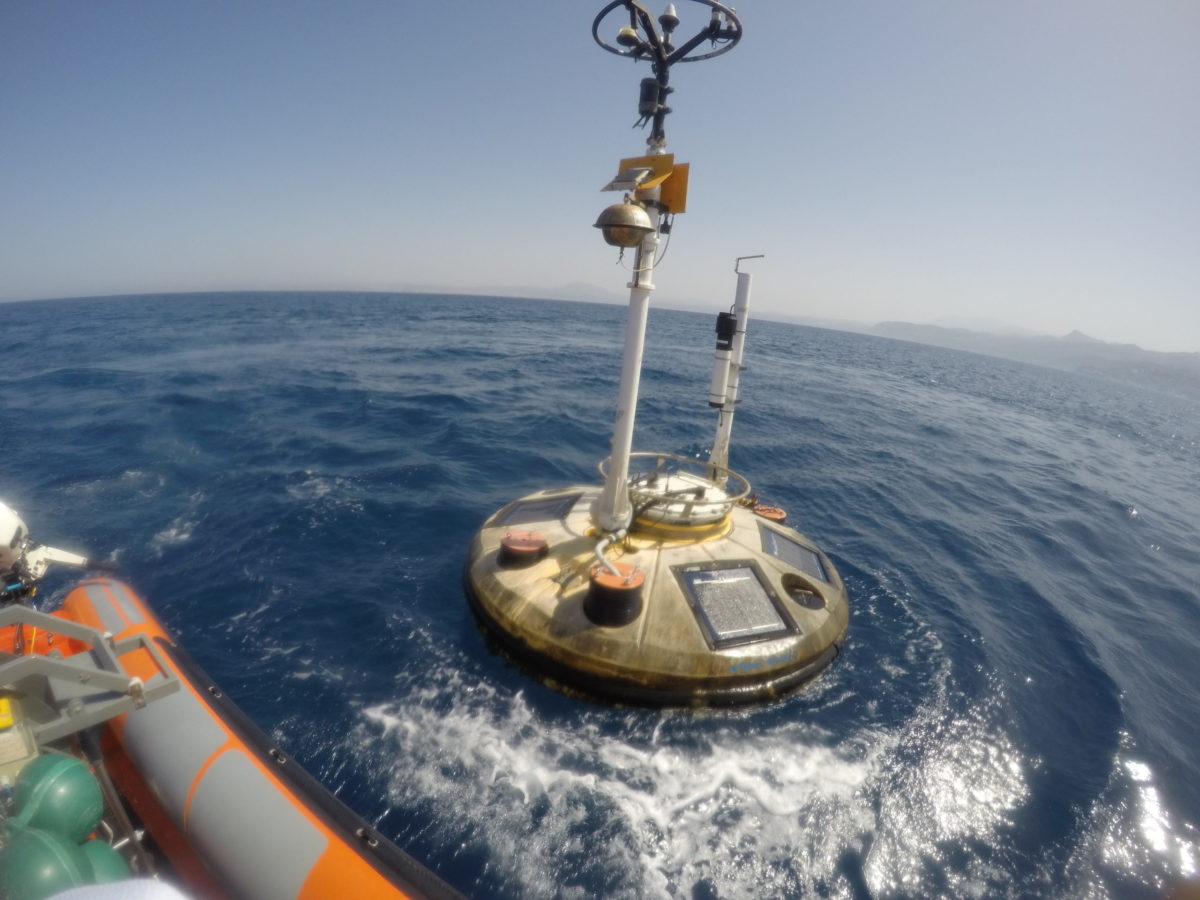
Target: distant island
pixel 1177 372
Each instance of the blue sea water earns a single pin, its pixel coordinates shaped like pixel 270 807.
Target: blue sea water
pixel 292 480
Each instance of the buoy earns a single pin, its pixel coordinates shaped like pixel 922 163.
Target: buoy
pixel 521 548
pixel 614 599
pixel 723 606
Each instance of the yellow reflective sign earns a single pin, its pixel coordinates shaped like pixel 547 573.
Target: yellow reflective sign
pixel 674 189
pixel 673 178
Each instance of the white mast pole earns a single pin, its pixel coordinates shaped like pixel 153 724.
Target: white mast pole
pixel 741 309
pixel 613 510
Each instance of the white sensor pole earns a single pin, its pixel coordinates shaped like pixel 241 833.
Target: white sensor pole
pixel 613 510
pixel 741 309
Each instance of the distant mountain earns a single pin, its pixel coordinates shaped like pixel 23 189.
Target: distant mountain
pixel 982 323
pixel 1074 351
pixel 1079 337
pixel 816 322
pixel 575 290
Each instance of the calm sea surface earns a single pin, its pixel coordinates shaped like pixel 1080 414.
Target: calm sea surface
pixel 293 480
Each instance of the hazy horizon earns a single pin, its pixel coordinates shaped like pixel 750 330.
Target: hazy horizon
pixel 1028 163
pixel 981 326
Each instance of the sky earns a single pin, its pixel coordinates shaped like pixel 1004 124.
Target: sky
pixel 1031 163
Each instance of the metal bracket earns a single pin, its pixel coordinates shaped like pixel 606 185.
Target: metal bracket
pixel 82 690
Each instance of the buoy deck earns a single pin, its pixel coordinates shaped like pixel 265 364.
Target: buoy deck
pixel 747 612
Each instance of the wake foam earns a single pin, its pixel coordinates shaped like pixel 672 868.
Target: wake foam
pixel 560 808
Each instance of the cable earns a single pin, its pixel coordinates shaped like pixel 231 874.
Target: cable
pixel 659 257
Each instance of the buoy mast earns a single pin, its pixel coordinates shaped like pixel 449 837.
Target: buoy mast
pixel 637 221
pixel 613 511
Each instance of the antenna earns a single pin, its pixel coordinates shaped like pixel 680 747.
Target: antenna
pixel 643 38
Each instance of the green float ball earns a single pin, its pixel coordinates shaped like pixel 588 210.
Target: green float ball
pixel 107 864
pixel 36 864
pixel 57 793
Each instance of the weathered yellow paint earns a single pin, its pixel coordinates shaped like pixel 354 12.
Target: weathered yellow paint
pixel 674 189
pixel 662 657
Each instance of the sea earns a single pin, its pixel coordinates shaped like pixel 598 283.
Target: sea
pixel 293 479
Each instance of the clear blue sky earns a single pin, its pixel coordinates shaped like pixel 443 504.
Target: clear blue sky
pixel 1035 162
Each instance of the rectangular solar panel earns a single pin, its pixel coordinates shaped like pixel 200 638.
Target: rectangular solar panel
pixel 545 510
pixel 732 604
pixel 793 553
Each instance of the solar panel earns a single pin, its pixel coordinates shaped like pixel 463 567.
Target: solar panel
pixel 546 509
pixel 732 603
pixel 793 553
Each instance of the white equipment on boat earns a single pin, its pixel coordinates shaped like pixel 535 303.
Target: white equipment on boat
pixel 23 562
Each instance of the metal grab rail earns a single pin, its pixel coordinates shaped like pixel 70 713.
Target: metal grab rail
pixel 736 488
pixel 86 688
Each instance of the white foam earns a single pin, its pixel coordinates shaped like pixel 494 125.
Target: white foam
pixel 751 812
pixel 660 808
pixel 327 491
pixel 313 487
pixel 147 484
pixel 960 779
pixel 178 532
pixel 181 528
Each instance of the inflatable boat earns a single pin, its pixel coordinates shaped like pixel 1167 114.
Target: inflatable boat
pixel 120 758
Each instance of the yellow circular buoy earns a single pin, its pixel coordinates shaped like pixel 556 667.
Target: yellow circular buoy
pixel 745 613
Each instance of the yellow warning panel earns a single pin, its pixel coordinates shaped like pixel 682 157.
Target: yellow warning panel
pixel 673 178
pixel 674 189
pixel 6 713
